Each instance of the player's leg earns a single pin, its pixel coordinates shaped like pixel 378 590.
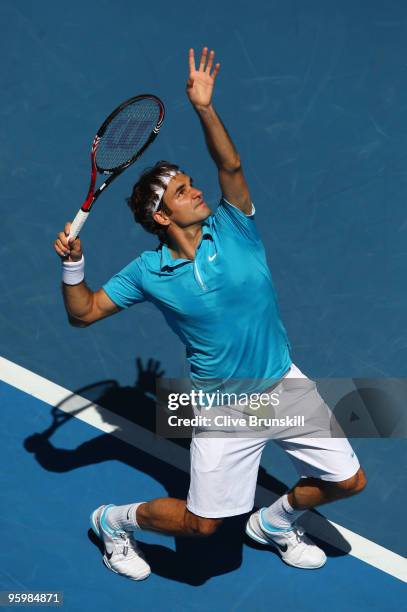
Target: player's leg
pixel 170 515
pixel 326 464
pixel 330 470
pixel 223 482
pixel 276 524
pixel 311 492
pixel 165 514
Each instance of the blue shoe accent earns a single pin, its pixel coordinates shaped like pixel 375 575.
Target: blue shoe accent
pixel 253 535
pixel 268 527
pixel 93 524
pixel 103 522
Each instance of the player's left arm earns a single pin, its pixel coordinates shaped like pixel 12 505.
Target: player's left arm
pixel 221 148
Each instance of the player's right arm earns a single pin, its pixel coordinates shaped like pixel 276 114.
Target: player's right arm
pixel 82 305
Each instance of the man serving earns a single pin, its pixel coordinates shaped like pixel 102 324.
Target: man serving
pixel 210 279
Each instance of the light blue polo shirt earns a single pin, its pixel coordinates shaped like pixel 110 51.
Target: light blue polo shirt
pixel 222 305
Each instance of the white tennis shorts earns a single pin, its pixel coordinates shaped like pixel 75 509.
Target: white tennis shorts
pixel 224 470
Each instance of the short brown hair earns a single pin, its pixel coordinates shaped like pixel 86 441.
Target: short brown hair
pixel 143 198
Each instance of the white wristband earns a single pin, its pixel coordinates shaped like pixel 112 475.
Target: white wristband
pixel 73 272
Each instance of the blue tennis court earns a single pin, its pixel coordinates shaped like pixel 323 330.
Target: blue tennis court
pixel 314 95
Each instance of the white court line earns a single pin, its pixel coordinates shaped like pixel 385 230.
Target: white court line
pixel 108 422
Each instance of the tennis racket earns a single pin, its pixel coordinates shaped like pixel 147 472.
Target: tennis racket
pixel 119 142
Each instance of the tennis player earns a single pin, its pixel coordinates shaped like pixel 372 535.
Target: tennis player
pixel 210 279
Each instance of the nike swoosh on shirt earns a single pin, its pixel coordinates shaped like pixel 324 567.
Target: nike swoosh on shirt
pixel 211 257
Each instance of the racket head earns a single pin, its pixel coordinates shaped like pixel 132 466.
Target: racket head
pixel 127 132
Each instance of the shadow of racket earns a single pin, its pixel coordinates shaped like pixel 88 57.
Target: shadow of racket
pixel 70 407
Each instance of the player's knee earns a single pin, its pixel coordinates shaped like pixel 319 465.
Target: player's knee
pixel 361 481
pixel 353 485
pixel 207 527
pixel 203 527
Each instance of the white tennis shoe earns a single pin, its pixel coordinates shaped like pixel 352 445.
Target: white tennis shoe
pixel 122 554
pixel 293 545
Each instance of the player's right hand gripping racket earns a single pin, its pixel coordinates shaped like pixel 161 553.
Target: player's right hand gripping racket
pixel 119 142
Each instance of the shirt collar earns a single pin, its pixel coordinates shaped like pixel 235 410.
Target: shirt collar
pixel 167 260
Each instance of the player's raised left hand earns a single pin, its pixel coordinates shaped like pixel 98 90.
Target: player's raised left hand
pixel 201 82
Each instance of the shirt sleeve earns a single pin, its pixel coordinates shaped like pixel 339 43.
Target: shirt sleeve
pixel 230 218
pixel 126 288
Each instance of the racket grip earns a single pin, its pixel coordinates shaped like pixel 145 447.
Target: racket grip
pixel 78 223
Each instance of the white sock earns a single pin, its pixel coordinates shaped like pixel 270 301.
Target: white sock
pixel 280 515
pixel 123 517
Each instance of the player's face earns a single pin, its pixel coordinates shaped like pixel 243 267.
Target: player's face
pixel 185 201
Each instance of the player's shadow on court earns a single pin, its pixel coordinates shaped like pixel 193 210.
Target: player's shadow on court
pixel 129 414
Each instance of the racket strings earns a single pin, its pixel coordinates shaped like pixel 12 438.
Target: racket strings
pixel 127 133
